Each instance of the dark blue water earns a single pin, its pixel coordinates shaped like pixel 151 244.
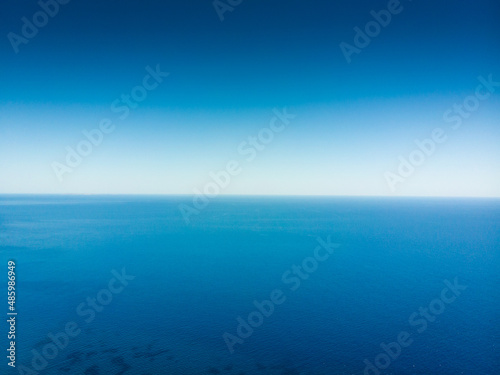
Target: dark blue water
pixel 192 282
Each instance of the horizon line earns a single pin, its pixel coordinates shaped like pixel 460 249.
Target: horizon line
pixel 252 195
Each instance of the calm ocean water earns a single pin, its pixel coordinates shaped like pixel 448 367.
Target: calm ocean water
pixel 192 282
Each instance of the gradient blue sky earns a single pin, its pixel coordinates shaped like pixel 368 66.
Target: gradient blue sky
pixel 353 120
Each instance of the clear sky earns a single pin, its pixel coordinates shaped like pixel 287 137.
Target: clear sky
pixel 351 125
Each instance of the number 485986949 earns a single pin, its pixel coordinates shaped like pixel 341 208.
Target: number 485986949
pixel 11 285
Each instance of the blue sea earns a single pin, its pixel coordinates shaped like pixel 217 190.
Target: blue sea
pixel 252 285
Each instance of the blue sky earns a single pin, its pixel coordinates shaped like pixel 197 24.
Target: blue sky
pixel 352 121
